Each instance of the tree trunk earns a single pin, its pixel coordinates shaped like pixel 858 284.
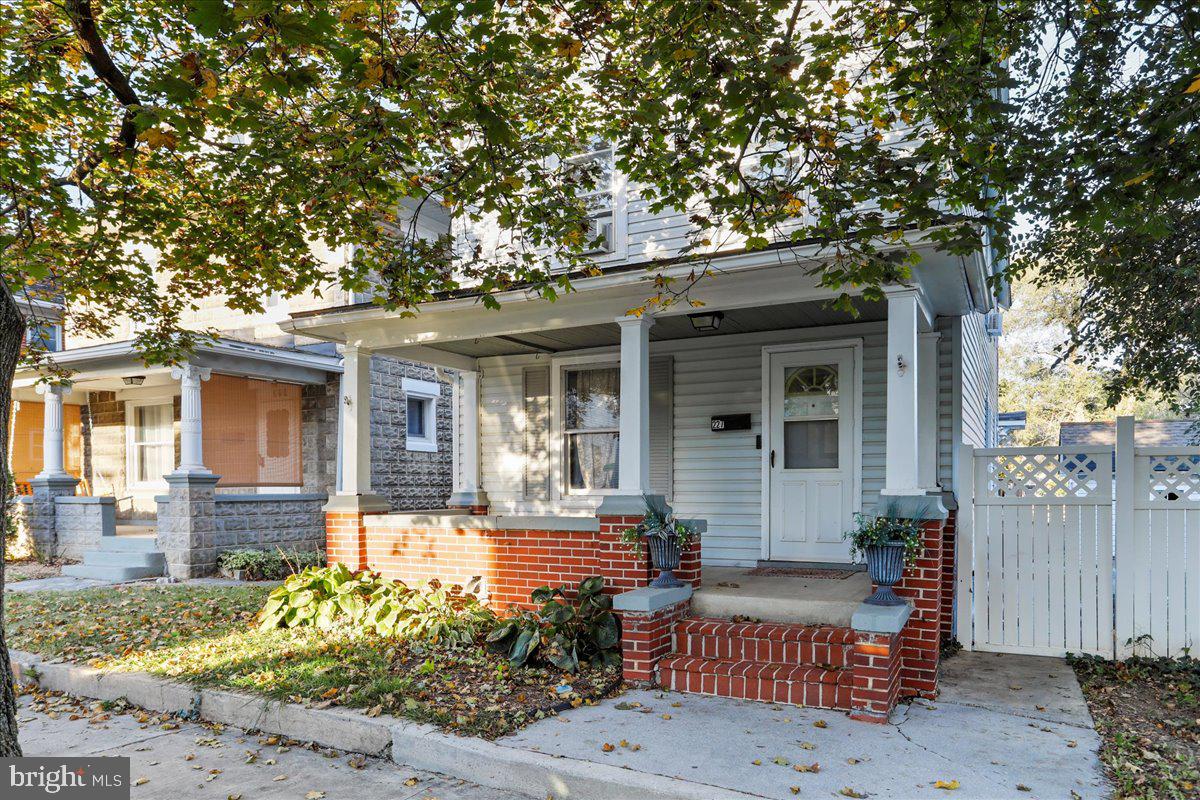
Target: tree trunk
pixel 12 333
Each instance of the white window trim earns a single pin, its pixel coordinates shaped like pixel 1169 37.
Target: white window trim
pixel 53 325
pixel 131 448
pixel 429 392
pixel 559 488
pixel 620 213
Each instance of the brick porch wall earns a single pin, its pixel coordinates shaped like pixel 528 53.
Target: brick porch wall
pixel 646 638
pixel 876 664
pixel 920 641
pixel 948 576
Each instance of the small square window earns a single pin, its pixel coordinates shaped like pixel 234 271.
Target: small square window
pixel 420 407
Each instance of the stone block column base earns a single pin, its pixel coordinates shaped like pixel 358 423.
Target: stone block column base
pixel 40 514
pixel 876 661
pixel 187 527
pixel 648 618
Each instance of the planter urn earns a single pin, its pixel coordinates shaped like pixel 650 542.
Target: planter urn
pixel 664 555
pixel 885 565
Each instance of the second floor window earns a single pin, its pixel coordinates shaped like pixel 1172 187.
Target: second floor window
pixel 599 197
pixel 44 336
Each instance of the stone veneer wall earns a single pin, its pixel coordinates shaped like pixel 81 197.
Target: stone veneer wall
pixel 80 522
pixel 409 479
pixel 104 444
pixel 265 521
pixel 318 435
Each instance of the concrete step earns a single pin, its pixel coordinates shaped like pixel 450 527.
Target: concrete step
pixel 125 558
pixel 811 687
pixel 765 643
pixel 113 574
pixel 126 544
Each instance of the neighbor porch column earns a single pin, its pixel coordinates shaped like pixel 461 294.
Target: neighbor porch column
pixel 927 413
pixel 633 470
pixel 468 492
pixel 345 533
pixel 902 473
pixel 191 424
pixel 52 431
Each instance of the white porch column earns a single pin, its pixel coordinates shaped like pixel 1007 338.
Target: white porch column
pixel 354 414
pixel 191 426
pixel 927 413
pixel 902 473
pixel 634 460
pixel 52 430
pixel 467 492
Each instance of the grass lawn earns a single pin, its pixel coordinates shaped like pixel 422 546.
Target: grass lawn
pixel 1148 712
pixel 205 635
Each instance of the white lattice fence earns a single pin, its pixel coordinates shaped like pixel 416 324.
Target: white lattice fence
pixel 1158 552
pixel 1035 550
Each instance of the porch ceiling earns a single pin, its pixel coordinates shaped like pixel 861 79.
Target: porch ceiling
pixel 740 320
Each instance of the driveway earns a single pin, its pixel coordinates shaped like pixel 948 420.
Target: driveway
pixel 1005 727
pixel 188 759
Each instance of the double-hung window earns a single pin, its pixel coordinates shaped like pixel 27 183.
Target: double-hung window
pixel 599 196
pixel 151 441
pixel 44 336
pixel 421 414
pixel 591 429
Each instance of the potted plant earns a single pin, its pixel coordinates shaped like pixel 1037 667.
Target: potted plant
pixel 667 538
pixel 888 543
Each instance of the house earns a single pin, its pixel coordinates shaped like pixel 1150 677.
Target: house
pixel 766 416
pixel 136 469
pixel 1147 433
pixel 1010 422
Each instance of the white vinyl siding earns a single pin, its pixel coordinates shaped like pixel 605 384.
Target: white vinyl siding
pixel 978 379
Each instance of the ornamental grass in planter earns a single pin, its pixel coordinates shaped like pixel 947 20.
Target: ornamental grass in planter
pixel 666 536
pixel 888 543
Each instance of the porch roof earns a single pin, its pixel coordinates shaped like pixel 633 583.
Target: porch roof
pixel 766 290
pixel 103 367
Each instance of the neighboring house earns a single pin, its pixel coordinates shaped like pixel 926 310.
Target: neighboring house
pixel 1009 423
pixel 766 416
pixel 236 448
pixel 1146 432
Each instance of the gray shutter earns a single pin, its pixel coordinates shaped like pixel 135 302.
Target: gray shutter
pixel 537 432
pixel 662 424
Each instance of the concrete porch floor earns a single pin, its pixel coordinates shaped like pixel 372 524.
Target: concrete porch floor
pixel 726 592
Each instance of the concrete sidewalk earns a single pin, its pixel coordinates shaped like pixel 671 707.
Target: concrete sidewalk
pixel 193 760
pixel 1005 727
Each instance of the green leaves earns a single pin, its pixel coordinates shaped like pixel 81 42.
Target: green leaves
pixel 562 632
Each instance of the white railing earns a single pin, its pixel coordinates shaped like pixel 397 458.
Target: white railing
pixel 1059 552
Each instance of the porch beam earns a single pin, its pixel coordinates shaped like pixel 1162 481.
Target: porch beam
pixel 633 477
pixel 433 356
pixel 191 424
pixel 927 415
pixel 354 416
pixel 902 472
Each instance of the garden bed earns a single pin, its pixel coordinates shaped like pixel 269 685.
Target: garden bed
pixel 1148 712
pixel 206 635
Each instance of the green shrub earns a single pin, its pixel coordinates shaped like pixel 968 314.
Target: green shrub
pixel 270 565
pixel 334 596
pixel 562 632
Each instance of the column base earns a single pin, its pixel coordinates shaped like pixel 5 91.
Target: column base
pixel 474 500
pixel 57 483
pixel 910 506
pixel 629 505
pixel 356 504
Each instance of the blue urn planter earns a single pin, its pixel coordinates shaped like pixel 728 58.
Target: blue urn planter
pixel 885 565
pixel 664 555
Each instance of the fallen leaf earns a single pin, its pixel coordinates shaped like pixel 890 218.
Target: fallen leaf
pixel 278 778
pixel 234 797
pixel 607 747
pixel 412 781
pixel 780 760
pixel 820 724
pixel 794 789
pixel 846 791
pixel 1023 788
pixel 853 761
pixel 813 767
pixel 666 716
pixel 374 711
pixel 947 785
pixel 808 745
pixel 757 762
pixel 314 795
pixel 141 781
pixel 1072 743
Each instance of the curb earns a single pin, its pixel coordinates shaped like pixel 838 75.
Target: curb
pixel 411 744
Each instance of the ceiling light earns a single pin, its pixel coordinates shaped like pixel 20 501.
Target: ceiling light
pixel 706 320
pixel 134 380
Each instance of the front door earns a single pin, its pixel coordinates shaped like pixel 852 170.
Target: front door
pixel 811 457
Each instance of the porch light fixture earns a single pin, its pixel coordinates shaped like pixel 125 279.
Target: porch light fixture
pixel 134 380
pixel 706 321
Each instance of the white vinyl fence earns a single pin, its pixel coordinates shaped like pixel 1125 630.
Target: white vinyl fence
pixel 1058 554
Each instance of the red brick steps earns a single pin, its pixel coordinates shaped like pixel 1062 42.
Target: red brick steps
pixel 768 662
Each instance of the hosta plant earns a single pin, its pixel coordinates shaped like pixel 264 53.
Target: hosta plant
pixel 333 596
pixel 563 631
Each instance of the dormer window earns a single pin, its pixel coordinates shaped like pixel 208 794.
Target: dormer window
pixel 600 198
pixel 44 336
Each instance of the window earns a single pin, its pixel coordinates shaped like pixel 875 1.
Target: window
pixel 591 427
pixel 600 198
pixel 810 417
pixel 151 442
pixel 44 336
pixel 421 414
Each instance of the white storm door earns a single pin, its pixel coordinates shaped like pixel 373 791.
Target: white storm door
pixel 811 457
